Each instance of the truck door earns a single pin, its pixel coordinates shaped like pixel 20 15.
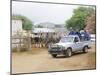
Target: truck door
pixel 77 44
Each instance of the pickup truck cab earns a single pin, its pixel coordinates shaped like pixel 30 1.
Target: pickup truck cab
pixel 68 45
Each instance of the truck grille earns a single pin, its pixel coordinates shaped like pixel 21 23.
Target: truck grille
pixel 55 48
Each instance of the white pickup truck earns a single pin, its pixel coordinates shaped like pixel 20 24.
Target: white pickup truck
pixel 68 45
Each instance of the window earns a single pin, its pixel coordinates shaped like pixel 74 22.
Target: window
pixel 76 39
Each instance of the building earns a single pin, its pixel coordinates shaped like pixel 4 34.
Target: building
pixel 42 31
pixel 16 26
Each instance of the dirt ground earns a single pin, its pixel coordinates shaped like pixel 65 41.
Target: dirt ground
pixel 38 60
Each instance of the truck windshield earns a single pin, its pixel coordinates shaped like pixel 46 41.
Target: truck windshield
pixel 66 39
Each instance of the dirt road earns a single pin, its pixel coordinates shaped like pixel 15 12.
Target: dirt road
pixel 40 61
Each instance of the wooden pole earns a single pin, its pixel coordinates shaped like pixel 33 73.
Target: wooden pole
pixel 29 40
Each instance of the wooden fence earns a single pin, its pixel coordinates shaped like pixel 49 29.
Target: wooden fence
pixel 23 43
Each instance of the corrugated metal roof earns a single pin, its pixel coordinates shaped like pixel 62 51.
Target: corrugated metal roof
pixel 43 30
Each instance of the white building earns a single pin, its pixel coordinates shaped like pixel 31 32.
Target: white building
pixel 16 26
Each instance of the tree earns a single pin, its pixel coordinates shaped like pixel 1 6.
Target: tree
pixel 77 21
pixel 91 23
pixel 26 23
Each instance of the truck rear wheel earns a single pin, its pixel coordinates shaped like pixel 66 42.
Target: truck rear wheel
pixel 85 49
pixel 68 52
pixel 54 55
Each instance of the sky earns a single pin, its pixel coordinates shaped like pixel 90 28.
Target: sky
pixel 42 12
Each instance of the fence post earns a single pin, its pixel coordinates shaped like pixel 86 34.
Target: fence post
pixel 29 40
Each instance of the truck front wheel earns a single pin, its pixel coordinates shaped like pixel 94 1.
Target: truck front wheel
pixel 54 55
pixel 68 52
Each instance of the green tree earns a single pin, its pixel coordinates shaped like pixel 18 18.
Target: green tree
pixel 77 21
pixel 26 23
